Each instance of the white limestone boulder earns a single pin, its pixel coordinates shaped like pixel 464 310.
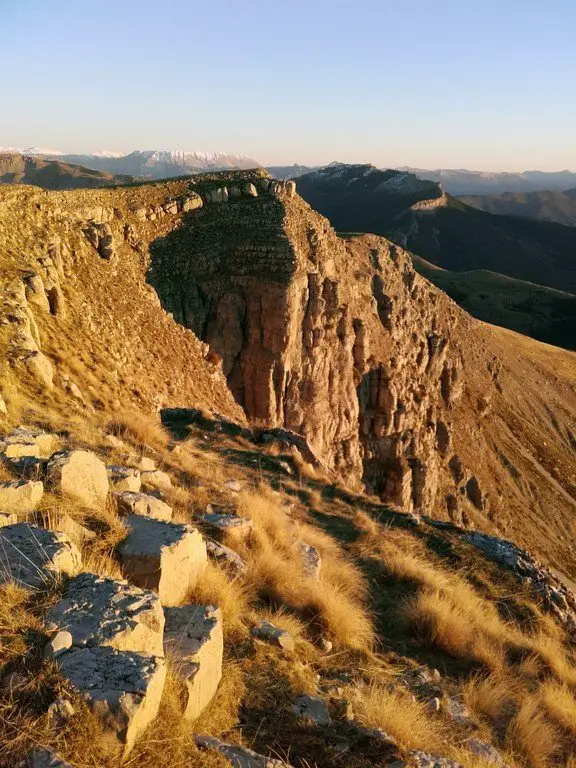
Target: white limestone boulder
pixel 163 556
pixel 34 557
pixel 80 476
pixel 21 495
pixel 193 641
pixel 130 503
pixel 124 478
pixel 123 689
pixel 96 610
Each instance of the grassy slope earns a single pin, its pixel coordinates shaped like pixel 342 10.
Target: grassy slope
pixel 53 174
pixel 543 313
pixel 548 205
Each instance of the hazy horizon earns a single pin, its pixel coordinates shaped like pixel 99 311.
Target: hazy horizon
pixel 430 87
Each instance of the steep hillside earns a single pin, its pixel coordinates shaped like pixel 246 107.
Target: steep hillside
pixel 544 206
pixel 534 310
pixel 187 582
pixel 53 174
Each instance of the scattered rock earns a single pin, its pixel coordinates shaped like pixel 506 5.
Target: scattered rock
pixel 233 485
pixel 457 711
pixel 130 503
pixel 311 559
pixel 312 708
pixel 97 610
pixel 427 760
pixel 162 556
pixel 20 495
pixel 239 757
pixel 155 478
pixel 79 475
pixel 265 630
pixel 194 642
pixel 32 556
pixel 233 527
pixel 485 752
pixel 8 518
pixel 45 758
pixel 59 712
pixel 124 478
pixel 60 643
pixel 225 556
pixel 326 645
pixel 123 689
pixel 416 678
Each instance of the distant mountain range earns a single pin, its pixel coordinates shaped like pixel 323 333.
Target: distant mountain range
pixel 546 205
pixel 464 182
pixel 445 232
pixel 53 174
pixel 151 164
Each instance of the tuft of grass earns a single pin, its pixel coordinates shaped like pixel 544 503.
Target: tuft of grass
pixel 560 704
pixel 531 736
pixel 232 596
pixel 400 715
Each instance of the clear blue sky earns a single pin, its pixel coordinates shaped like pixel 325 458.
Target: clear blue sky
pixel 428 83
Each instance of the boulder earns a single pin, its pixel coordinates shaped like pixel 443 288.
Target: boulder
pixel 162 556
pixel 191 203
pixel 249 189
pixel 8 518
pixel 312 708
pixel 96 610
pixel 40 368
pixel 234 192
pixel 18 444
pixel 20 495
pixel 156 479
pixel 32 556
pixel 457 711
pixel 79 475
pixel 265 630
pixel 60 643
pixel 124 478
pixel 130 503
pixel 239 757
pixel 194 643
pixel 123 689
pixel 290 188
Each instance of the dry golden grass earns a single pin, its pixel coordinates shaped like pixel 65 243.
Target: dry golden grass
pixel 399 715
pixel 140 429
pixel 489 696
pixel 560 704
pixel 530 736
pixel 232 596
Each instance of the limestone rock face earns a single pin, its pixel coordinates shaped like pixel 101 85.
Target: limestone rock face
pixel 102 611
pixel 131 503
pixel 20 495
pixel 32 556
pixel 162 556
pixel 80 475
pixel 194 642
pixel 123 689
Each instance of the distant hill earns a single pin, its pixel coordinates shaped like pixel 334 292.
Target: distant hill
pixel 417 215
pixel 545 205
pixel 53 174
pixel 534 310
pixel 463 182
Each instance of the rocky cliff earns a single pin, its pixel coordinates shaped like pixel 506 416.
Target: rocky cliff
pixel 391 383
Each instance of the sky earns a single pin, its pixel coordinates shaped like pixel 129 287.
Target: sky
pixel 487 85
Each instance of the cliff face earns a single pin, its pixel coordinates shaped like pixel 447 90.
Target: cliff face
pixel 389 380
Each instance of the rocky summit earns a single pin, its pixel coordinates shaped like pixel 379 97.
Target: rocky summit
pixel 268 496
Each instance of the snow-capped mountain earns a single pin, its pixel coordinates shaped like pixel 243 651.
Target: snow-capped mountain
pixel 41 151
pixel 149 164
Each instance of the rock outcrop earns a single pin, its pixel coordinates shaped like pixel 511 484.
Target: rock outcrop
pixel 79 475
pixel 34 557
pixel 163 556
